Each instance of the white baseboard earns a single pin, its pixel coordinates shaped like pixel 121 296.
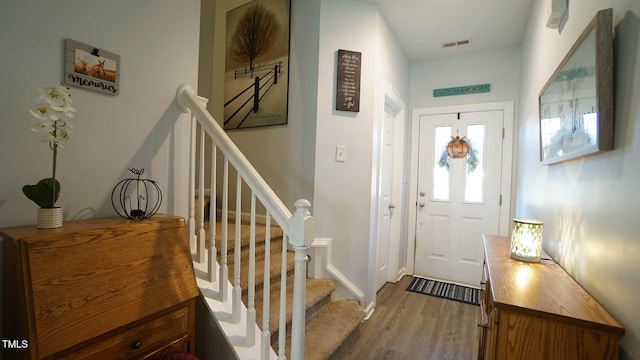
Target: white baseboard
pixel 320 252
pixel 401 273
pixel 369 311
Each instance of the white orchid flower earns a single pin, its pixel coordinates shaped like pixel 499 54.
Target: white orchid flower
pixel 54 111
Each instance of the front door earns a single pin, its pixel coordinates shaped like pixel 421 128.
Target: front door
pixel 458 199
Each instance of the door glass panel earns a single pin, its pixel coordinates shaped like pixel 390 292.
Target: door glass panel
pixel 440 191
pixel 474 184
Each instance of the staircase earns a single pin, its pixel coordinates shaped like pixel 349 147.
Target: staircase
pixel 331 326
pixel 265 306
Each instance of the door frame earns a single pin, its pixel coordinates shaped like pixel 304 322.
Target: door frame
pixel 393 102
pixel 506 177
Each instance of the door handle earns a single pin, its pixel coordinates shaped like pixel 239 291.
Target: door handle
pixel 421 204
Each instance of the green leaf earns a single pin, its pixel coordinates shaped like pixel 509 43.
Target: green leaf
pixel 42 193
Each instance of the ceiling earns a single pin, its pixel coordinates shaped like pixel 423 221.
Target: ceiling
pixel 423 26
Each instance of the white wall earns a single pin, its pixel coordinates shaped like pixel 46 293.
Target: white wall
pixel 500 68
pixel 344 192
pixel 590 206
pixel 141 127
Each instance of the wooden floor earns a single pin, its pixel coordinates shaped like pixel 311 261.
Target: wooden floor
pixel 406 325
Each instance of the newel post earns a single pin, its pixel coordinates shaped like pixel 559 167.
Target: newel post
pixel 300 237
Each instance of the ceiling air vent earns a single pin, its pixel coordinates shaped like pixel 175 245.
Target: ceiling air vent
pixel 456 43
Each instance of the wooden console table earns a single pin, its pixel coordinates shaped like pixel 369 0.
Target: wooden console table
pixel 537 311
pixel 99 289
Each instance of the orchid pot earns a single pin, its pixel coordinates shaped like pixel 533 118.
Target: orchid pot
pixel 54 112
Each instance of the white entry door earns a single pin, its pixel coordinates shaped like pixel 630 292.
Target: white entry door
pixel 458 199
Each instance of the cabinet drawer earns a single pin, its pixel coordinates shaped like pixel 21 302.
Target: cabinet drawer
pixel 140 340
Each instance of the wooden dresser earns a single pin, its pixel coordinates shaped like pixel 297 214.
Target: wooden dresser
pixel 537 311
pixel 99 289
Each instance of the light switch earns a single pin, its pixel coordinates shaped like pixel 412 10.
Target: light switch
pixel 341 153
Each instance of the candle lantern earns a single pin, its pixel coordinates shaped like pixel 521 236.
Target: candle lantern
pixel 136 198
pixel 526 240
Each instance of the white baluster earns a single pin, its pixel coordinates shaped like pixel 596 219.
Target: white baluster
pixel 237 289
pixel 282 326
pixel 251 296
pixel 212 215
pixel 201 232
pixel 191 226
pixel 223 279
pixel 266 291
pixel 301 230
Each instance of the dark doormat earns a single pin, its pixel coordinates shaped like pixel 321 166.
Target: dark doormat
pixel 445 290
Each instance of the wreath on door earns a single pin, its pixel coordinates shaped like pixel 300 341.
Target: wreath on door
pixel 459 148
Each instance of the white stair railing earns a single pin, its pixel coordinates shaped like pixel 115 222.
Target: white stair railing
pixel 238 321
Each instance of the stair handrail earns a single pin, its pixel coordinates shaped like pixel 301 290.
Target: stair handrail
pixel 188 101
pixel 298 226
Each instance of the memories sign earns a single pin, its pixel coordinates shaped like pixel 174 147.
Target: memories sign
pixel 90 68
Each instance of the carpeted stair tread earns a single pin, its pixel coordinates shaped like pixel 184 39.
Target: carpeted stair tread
pixel 245 234
pixel 275 266
pixel 330 328
pixel 318 292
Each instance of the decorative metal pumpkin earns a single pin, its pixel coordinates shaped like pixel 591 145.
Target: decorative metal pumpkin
pixel 458 147
pixel 136 198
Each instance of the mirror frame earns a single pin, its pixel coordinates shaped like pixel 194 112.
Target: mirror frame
pixel 581 86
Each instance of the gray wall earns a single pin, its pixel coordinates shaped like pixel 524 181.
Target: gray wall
pixel 345 193
pixel 590 206
pixel 141 127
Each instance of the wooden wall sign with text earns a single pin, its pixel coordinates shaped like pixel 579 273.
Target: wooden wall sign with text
pixel 348 84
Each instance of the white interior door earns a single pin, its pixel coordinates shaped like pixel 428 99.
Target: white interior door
pixel 458 199
pixel 386 207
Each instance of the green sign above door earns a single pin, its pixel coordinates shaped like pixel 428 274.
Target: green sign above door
pixel 462 90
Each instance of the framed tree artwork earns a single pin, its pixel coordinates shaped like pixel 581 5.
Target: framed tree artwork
pixel 576 104
pixel 257 65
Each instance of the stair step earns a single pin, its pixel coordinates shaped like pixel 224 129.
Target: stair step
pixel 275 270
pixel 318 294
pixel 276 235
pixel 276 247
pixel 331 327
pixel 332 330
pixel 245 234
